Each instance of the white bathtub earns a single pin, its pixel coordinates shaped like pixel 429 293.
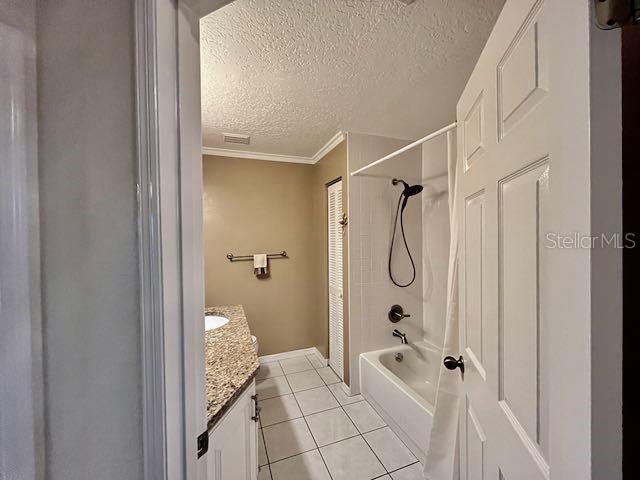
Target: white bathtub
pixel 403 393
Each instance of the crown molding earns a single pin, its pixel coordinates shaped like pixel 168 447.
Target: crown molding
pixel 275 157
pixel 327 147
pixel 272 157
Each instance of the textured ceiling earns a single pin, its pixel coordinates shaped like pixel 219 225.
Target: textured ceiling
pixel 291 73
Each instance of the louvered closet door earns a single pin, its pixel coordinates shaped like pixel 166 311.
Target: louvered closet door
pixel 334 201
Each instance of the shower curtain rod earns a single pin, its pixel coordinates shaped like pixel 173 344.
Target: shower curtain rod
pixel 405 148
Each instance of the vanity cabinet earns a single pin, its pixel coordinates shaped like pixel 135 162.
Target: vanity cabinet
pixel 233 441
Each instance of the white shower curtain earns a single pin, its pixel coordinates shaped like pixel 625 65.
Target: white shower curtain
pixel 440 462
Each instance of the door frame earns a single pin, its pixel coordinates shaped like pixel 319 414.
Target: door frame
pixel 22 412
pixel 170 238
pixel 631 224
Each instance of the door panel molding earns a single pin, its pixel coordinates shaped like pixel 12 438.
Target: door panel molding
pixel 522 74
pixel 473 132
pixel 520 196
pixel 472 308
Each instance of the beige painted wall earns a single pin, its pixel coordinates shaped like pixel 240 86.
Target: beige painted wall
pixel 253 206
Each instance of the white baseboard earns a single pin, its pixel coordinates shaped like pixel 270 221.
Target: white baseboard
pixel 347 389
pixel 325 361
pixel 294 353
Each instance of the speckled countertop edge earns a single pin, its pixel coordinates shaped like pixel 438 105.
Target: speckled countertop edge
pixel 231 361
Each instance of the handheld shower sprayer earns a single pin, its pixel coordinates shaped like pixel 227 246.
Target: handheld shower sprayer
pixel 409 191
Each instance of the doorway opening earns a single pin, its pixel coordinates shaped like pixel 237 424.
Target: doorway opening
pixel 283 375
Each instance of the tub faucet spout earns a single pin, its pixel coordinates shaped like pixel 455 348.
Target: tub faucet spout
pixel 400 335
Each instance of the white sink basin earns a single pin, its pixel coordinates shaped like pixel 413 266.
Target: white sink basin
pixel 212 322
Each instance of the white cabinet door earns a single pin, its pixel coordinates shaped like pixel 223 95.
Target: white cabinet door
pixel 233 443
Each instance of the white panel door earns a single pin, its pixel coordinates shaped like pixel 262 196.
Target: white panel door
pixel 523 167
pixel 334 211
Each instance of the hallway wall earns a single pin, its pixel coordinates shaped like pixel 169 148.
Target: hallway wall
pixel 88 214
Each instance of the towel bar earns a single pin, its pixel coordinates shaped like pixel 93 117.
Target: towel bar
pixel 234 258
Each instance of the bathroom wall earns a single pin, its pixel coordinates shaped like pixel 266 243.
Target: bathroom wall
pixel 90 288
pixel 373 200
pixel 435 238
pixel 255 206
pixel 330 167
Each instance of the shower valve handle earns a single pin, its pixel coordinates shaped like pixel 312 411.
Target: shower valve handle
pixel 397 313
pixel 451 363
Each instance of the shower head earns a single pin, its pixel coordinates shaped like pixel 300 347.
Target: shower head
pixel 412 190
pixel 409 190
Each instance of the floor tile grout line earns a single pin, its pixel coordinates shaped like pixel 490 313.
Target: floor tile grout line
pixel 302 415
pixel 340 405
pixel 310 432
pixel 307 424
pixel 361 434
pixel 319 448
pixel 285 374
pixel 401 441
pixel 376 455
pixel 395 471
pixel 283 421
pixel 365 440
pixel 266 453
pixel 379 428
pixel 314 368
pixel 397 436
pixel 299 391
pixel 333 443
pixel 357 429
pixel 373 429
pixel 406 466
pixel 341 440
pixel 294 455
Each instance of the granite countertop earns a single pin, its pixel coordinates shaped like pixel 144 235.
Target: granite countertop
pixel 231 361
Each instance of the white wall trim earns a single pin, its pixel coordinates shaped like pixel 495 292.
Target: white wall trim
pixel 191 239
pixel 327 147
pixel 293 353
pixel 347 389
pixel 22 412
pixel 276 157
pixel 272 157
pixel 150 245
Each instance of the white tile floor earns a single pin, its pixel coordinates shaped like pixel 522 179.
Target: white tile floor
pixel 312 430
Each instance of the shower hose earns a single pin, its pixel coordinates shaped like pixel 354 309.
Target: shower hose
pixel 404 239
